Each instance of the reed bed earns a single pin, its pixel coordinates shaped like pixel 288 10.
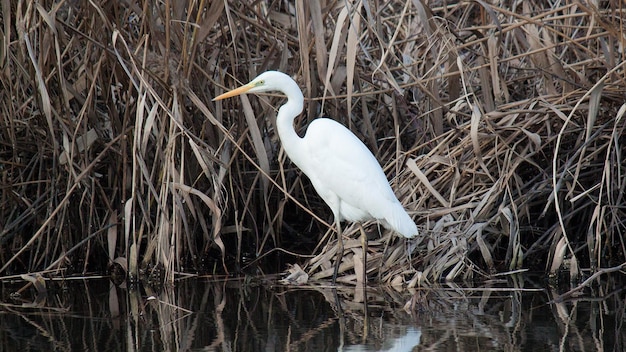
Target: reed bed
pixel 500 126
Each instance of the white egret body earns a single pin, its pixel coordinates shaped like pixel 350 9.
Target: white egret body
pixel 342 170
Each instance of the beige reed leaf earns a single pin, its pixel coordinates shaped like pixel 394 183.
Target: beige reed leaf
pixel 354 31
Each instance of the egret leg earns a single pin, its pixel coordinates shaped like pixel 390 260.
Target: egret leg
pixel 339 250
pixel 382 262
pixel 364 247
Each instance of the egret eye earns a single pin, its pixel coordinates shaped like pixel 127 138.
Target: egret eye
pixel 259 83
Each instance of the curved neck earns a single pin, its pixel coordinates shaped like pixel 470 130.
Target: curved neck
pixel 284 122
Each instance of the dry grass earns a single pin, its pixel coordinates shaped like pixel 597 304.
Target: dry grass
pixel 500 128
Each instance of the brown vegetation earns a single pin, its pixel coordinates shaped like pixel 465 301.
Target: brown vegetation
pixel 501 129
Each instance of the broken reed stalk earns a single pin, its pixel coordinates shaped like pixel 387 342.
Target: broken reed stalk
pixel 501 130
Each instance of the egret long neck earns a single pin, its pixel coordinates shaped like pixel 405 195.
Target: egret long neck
pixel 284 123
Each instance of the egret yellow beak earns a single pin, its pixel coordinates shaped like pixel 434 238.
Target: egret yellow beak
pixel 234 92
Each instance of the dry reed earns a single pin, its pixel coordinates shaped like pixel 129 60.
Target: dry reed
pixel 500 126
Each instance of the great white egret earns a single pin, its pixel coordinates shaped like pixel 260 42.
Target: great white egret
pixel 342 170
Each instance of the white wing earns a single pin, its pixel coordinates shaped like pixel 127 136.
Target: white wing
pixel 340 165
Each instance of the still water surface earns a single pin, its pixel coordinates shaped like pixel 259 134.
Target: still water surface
pixel 204 315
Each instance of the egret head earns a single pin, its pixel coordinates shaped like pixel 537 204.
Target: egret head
pixel 265 82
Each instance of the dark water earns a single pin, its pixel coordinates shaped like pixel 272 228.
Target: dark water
pixel 203 315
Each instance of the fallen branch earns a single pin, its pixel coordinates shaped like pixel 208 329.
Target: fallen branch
pixel 587 282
